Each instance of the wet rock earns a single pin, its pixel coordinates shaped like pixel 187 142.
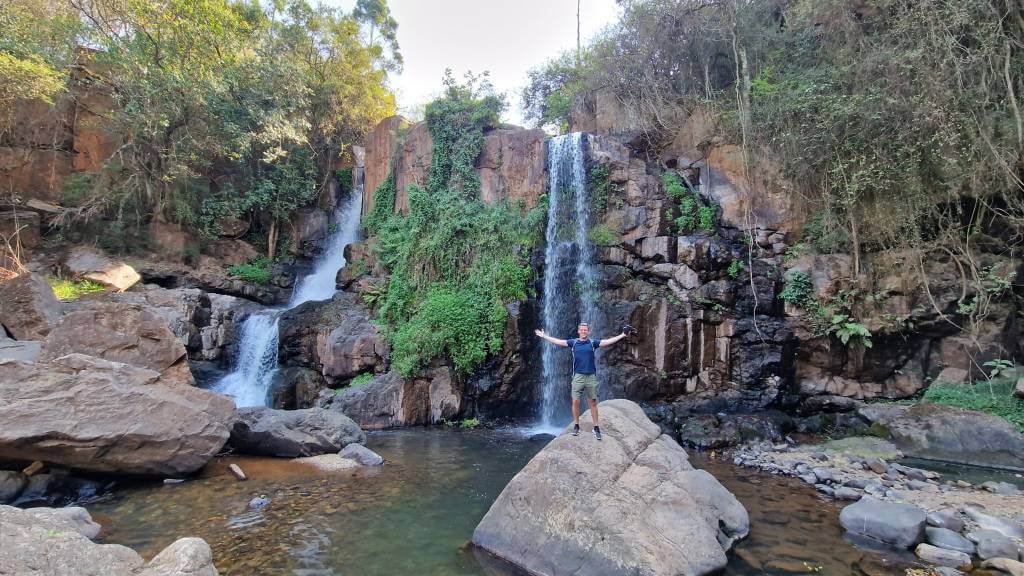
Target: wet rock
pixel 89 263
pixel 361 454
pixel 612 501
pixel 259 502
pixel 292 433
pixel 57 488
pixel 948 539
pixel 901 525
pixel 125 421
pixel 11 484
pixel 1003 488
pixel 943 557
pixel 992 544
pixel 329 462
pixel 829 403
pixel 28 308
pixel 1011 567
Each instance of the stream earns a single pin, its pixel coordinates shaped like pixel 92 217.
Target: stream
pixel 415 514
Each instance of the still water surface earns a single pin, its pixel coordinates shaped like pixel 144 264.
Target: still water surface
pixel 416 514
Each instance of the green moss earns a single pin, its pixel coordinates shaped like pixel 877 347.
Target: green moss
pixel 67 290
pixel 361 379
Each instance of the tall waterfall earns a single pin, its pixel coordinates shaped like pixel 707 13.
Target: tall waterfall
pixel 570 277
pixel 256 362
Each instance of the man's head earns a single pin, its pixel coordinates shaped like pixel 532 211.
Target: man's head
pixel 584 330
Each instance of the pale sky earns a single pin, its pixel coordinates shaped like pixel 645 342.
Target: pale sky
pixel 505 38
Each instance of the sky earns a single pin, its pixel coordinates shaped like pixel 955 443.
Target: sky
pixel 506 38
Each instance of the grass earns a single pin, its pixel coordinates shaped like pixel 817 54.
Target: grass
pixel 991 396
pixel 361 379
pixel 66 290
pixel 257 270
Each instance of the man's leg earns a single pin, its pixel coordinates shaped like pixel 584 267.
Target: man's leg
pixel 576 411
pixel 593 411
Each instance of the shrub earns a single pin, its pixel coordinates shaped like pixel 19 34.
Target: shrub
pixel 361 379
pixel 602 235
pixel 469 423
pixel 799 290
pixel 256 270
pixel 735 267
pixel 992 397
pixel 67 290
pixel 846 328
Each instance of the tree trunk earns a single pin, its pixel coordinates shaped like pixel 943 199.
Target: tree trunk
pixel 272 239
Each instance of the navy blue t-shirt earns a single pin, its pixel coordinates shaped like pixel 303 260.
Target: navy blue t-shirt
pixel 583 355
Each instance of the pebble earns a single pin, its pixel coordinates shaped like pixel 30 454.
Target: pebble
pixel 259 503
pixel 858 483
pixel 846 493
pixel 877 465
pixel 809 478
pixel 825 489
pixel 923 486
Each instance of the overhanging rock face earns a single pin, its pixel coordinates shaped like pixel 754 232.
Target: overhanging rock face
pixel 631 503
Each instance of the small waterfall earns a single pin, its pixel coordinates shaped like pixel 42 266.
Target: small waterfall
pixel 256 362
pixel 570 277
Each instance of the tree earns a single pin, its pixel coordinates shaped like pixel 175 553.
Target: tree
pixel 376 15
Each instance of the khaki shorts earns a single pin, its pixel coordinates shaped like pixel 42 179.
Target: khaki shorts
pixel 584 382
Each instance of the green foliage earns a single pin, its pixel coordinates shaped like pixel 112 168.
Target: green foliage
pixel 706 218
pixel 469 423
pixel 600 187
pixel 735 267
pixel 344 178
pixel 37 45
pixel 846 328
pixel 693 214
pixel 799 290
pixel 454 261
pixel 66 290
pixel 602 235
pixel 361 379
pixel 825 234
pixel 256 270
pixel 992 397
pixel 552 91
pixel 999 368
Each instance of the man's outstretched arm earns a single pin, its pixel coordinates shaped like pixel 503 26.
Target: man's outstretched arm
pixel 555 341
pixel 605 342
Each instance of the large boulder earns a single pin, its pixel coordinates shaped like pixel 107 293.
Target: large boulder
pixel 631 503
pixel 91 414
pixel 89 263
pixel 901 525
pixel 126 333
pixel 292 433
pixel 56 542
pixel 28 308
pixel 940 432
pixel 390 401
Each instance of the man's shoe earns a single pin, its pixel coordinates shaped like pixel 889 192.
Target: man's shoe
pixel 575 429
pixel 597 432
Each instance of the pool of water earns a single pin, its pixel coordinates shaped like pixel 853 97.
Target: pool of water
pixel 416 514
pixel 973 474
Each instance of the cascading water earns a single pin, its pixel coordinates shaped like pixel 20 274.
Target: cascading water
pixel 570 276
pixel 256 362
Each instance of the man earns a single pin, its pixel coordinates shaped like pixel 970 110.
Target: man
pixel 584 371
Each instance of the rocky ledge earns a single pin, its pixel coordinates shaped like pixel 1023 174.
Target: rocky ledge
pixel 584 506
pixel 951 524
pixel 58 542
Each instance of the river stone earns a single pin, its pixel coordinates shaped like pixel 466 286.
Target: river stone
pixel 328 462
pixel 11 484
pixel 948 433
pixel 19 350
pixel 124 420
pixel 946 538
pixel 846 493
pixel 56 542
pixel 292 433
pixel 946 519
pixel 361 454
pixel 184 557
pixel 992 544
pixel 28 308
pixel 1011 567
pixel 943 557
pixel 630 503
pixel 877 465
pixel 1002 488
pixel 901 525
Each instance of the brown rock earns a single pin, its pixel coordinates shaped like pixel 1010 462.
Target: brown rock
pixel 125 421
pixel 512 166
pixel 126 333
pixel 952 375
pixel 168 240
pixel 412 164
pixel 34 173
pixel 308 225
pixel 231 252
pixel 91 264
pixel 380 145
pixel 28 308
pixel 233 227
pixel 19 226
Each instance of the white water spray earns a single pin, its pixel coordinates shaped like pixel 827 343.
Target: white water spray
pixel 256 362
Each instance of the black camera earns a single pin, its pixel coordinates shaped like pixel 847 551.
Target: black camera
pixel 628 330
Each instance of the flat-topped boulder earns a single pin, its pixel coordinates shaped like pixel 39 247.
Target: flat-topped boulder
pixel 631 503
pixel 90 414
pixel 89 263
pixel 293 433
pixel 28 308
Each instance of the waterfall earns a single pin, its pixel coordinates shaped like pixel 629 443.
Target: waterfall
pixel 256 361
pixel 570 276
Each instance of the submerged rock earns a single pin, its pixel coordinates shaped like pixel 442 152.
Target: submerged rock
pixel 124 420
pixel 632 500
pixel 362 455
pixel 292 433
